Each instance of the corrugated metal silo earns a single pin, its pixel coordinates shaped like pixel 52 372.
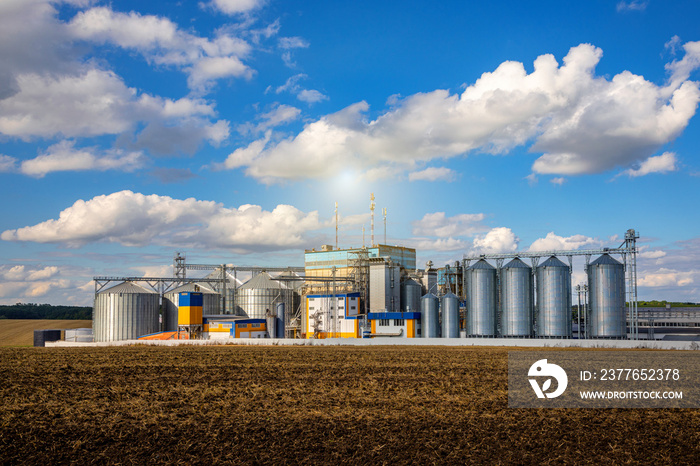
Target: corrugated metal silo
pixel 430 317
pixel 125 312
pixel 411 292
pixel 449 304
pixel 260 294
pixel 606 285
pixel 481 300
pixel 553 299
pixel 171 302
pixel 516 299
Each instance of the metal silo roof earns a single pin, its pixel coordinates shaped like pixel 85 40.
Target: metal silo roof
pixel 190 287
pixel 127 287
pixel 516 263
pixel 553 262
pixel 262 281
pixel 605 259
pixel 482 264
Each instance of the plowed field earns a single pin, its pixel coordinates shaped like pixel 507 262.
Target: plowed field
pixel 308 405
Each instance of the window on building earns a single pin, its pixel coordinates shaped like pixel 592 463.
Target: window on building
pixel 383 322
pixel 398 322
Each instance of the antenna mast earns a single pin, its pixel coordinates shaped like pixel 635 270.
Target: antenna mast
pixel 384 212
pixel 371 208
pixel 336 225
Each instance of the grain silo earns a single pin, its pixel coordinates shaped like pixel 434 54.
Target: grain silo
pixel 449 304
pixel 481 300
pixel 430 317
pixel 125 312
pixel 411 292
pixel 261 294
pixel 516 293
pixel 606 285
pixel 553 299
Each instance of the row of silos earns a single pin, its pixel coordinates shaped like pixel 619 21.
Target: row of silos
pixel 128 311
pixel 518 295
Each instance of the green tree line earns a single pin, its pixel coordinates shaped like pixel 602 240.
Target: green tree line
pixel 45 311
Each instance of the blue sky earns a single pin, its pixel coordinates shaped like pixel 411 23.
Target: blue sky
pixel 228 129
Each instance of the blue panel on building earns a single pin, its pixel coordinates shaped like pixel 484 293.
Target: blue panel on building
pixel 191 299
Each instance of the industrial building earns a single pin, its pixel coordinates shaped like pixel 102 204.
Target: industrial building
pixel 378 292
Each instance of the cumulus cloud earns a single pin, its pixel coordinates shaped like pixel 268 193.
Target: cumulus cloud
pixel 311 96
pixel 497 240
pixel 134 219
pixel 162 42
pixel 581 123
pixel 65 157
pixel 98 102
pixel 663 163
pixel 553 242
pixel 235 7
pixel 22 281
pixel 439 224
pixel 667 277
pixel 433 174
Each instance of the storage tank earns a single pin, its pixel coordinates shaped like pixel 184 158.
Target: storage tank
pixel 606 287
pixel 449 304
pixel 281 321
pixel 125 312
pixel 171 301
pixel 553 299
pixel 411 292
pixel 261 294
pixel 430 317
pixel 516 294
pixel 271 324
pixel 481 300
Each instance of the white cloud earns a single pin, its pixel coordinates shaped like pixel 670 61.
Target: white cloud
pixel 291 84
pixel 433 174
pixel 632 5
pixel 93 103
pixel 558 181
pixel 673 44
pixel 7 164
pixel 440 244
pixel 22 273
pixel 292 43
pixel 663 163
pixel 211 68
pixel 63 156
pixel 553 242
pixel 438 224
pixel 311 96
pixel 497 240
pixel 97 103
pixel 279 115
pixel 134 219
pixel 162 42
pixel 581 123
pixel 652 254
pixel 667 278
pixel 234 7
